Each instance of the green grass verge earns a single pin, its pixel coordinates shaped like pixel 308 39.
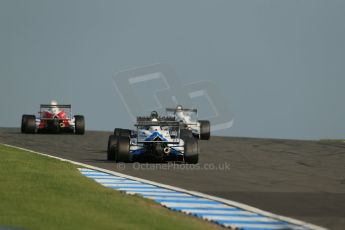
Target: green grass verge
pixel 332 141
pixel 38 192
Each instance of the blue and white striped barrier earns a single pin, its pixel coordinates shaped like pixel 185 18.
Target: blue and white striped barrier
pixel 204 208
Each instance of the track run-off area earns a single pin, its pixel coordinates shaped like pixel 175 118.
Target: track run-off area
pixel 304 180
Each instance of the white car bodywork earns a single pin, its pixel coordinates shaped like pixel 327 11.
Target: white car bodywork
pixel 188 117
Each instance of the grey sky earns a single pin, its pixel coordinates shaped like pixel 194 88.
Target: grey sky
pixel 279 64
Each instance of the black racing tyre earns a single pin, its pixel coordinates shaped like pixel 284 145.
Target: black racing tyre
pixel 79 124
pixel 125 133
pixel 117 131
pixel 22 126
pixel 205 130
pixel 123 154
pixel 111 150
pixel 28 124
pixel 191 151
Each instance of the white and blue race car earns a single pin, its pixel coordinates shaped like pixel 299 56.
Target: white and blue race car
pixel 188 119
pixel 155 139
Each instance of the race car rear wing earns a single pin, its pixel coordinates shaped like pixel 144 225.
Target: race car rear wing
pixel 183 109
pixel 158 123
pixel 161 119
pixel 173 127
pixel 55 106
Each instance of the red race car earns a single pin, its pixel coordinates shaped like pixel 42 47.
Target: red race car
pixel 53 118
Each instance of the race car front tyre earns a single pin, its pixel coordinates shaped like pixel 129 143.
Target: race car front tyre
pixel 125 133
pixel 191 151
pixel 122 132
pixel 117 131
pixel 79 124
pixel 123 154
pixel 205 130
pixel 111 150
pixel 28 124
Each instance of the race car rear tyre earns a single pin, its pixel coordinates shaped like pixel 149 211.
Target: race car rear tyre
pixel 123 154
pixel 205 130
pixel 191 151
pixel 79 124
pixel 22 127
pixel 111 150
pixel 125 133
pixel 29 125
pixel 117 131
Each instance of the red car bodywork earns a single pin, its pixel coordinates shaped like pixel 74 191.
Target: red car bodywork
pixel 49 115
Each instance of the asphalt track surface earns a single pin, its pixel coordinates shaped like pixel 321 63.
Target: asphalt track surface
pixel 299 179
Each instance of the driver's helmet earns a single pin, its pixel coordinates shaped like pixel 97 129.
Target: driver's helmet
pixel 179 108
pixel 154 115
pixel 179 112
pixel 54 107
